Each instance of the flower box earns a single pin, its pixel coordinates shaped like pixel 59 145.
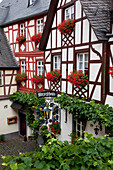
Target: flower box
pixel 54 75
pixel 55 127
pixel 67 26
pixel 111 71
pixel 36 38
pixel 21 77
pixel 78 78
pixel 21 38
pixel 38 79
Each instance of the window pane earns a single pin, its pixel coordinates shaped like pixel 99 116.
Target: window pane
pixel 80 66
pixel 81 57
pixel 86 57
pixel 86 65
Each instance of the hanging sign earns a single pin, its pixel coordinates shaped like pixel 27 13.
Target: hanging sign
pixel 47 94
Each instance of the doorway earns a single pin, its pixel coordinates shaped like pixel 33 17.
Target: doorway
pixel 22 124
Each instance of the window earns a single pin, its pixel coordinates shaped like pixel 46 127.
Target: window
pixel 39 25
pixel 0 78
pixel 12 120
pixel 56 62
pixel 82 62
pixel 39 67
pixel 23 66
pixel 69 13
pixel 22 29
pixel 30 2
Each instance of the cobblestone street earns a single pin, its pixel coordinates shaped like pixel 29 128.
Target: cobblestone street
pixel 14 146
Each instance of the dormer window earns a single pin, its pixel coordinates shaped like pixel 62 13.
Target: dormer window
pixel 40 25
pixel 30 2
pixel 22 29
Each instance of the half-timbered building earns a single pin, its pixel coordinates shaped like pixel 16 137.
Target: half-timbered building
pixel 23 18
pixel 89 48
pixel 8 70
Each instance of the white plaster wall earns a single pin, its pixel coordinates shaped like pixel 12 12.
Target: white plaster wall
pixel 90 129
pixel 69 91
pixel 97 92
pixel 93 36
pixel 64 54
pixel 94 69
pixel 54 22
pixel 82 47
pixel 109 100
pixel 85 31
pixel 63 70
pixel 58 39
pixel 70 54
pixel 63 86
pixel 10 35
pixel 78 32
pixel 66 128
pixel 78 10
pixel 59 14
pixel 49 42
pixel 4 114
pixel 54 39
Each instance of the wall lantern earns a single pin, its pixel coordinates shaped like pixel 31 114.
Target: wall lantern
pixel 47 113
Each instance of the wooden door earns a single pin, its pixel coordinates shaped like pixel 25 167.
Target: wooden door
pixel 22 124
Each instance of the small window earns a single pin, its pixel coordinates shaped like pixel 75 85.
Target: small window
pixel 23 66
pixel 69 13
pixel 82 62
pixel 30 2
pixel 12 120
pixel 0 78
pixel 39 67
pixel 22 29
pixel 40 25
pixel 56 62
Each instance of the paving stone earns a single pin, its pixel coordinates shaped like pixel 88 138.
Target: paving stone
pixel 14 146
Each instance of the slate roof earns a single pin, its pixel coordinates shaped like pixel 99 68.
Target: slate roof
pixel 17 10
pixel 98 13
pixel 7 59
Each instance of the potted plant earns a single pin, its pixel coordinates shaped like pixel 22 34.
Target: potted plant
pixel 2 138
pixel 111 71
pixel 54 127
pixel 36 38
pixel 67 26
pixel 21 38
pixel 54 75
pixel 21 78
pixel 38 80
pixel 78 78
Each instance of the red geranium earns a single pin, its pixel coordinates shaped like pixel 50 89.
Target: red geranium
pixel 67 26
pixel 21 38
pixel 38 79
pixel 36 38
pixel 111 71
pixel 21 77
pixel 53 75
pixel 78 78
pixel 55 127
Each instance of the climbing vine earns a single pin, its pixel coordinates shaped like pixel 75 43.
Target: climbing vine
pixel 89 111
pixel 30 102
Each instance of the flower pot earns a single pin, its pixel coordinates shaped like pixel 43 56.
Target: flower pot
pixel 39 86
pixel 23 83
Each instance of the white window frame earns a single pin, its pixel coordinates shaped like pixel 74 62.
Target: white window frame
pixel 0 78
pixel 22 29
pixel 70 12
pixel 39 67
pixel 23 66
pixel 56 62
pixel 83 62
pixel 39 25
